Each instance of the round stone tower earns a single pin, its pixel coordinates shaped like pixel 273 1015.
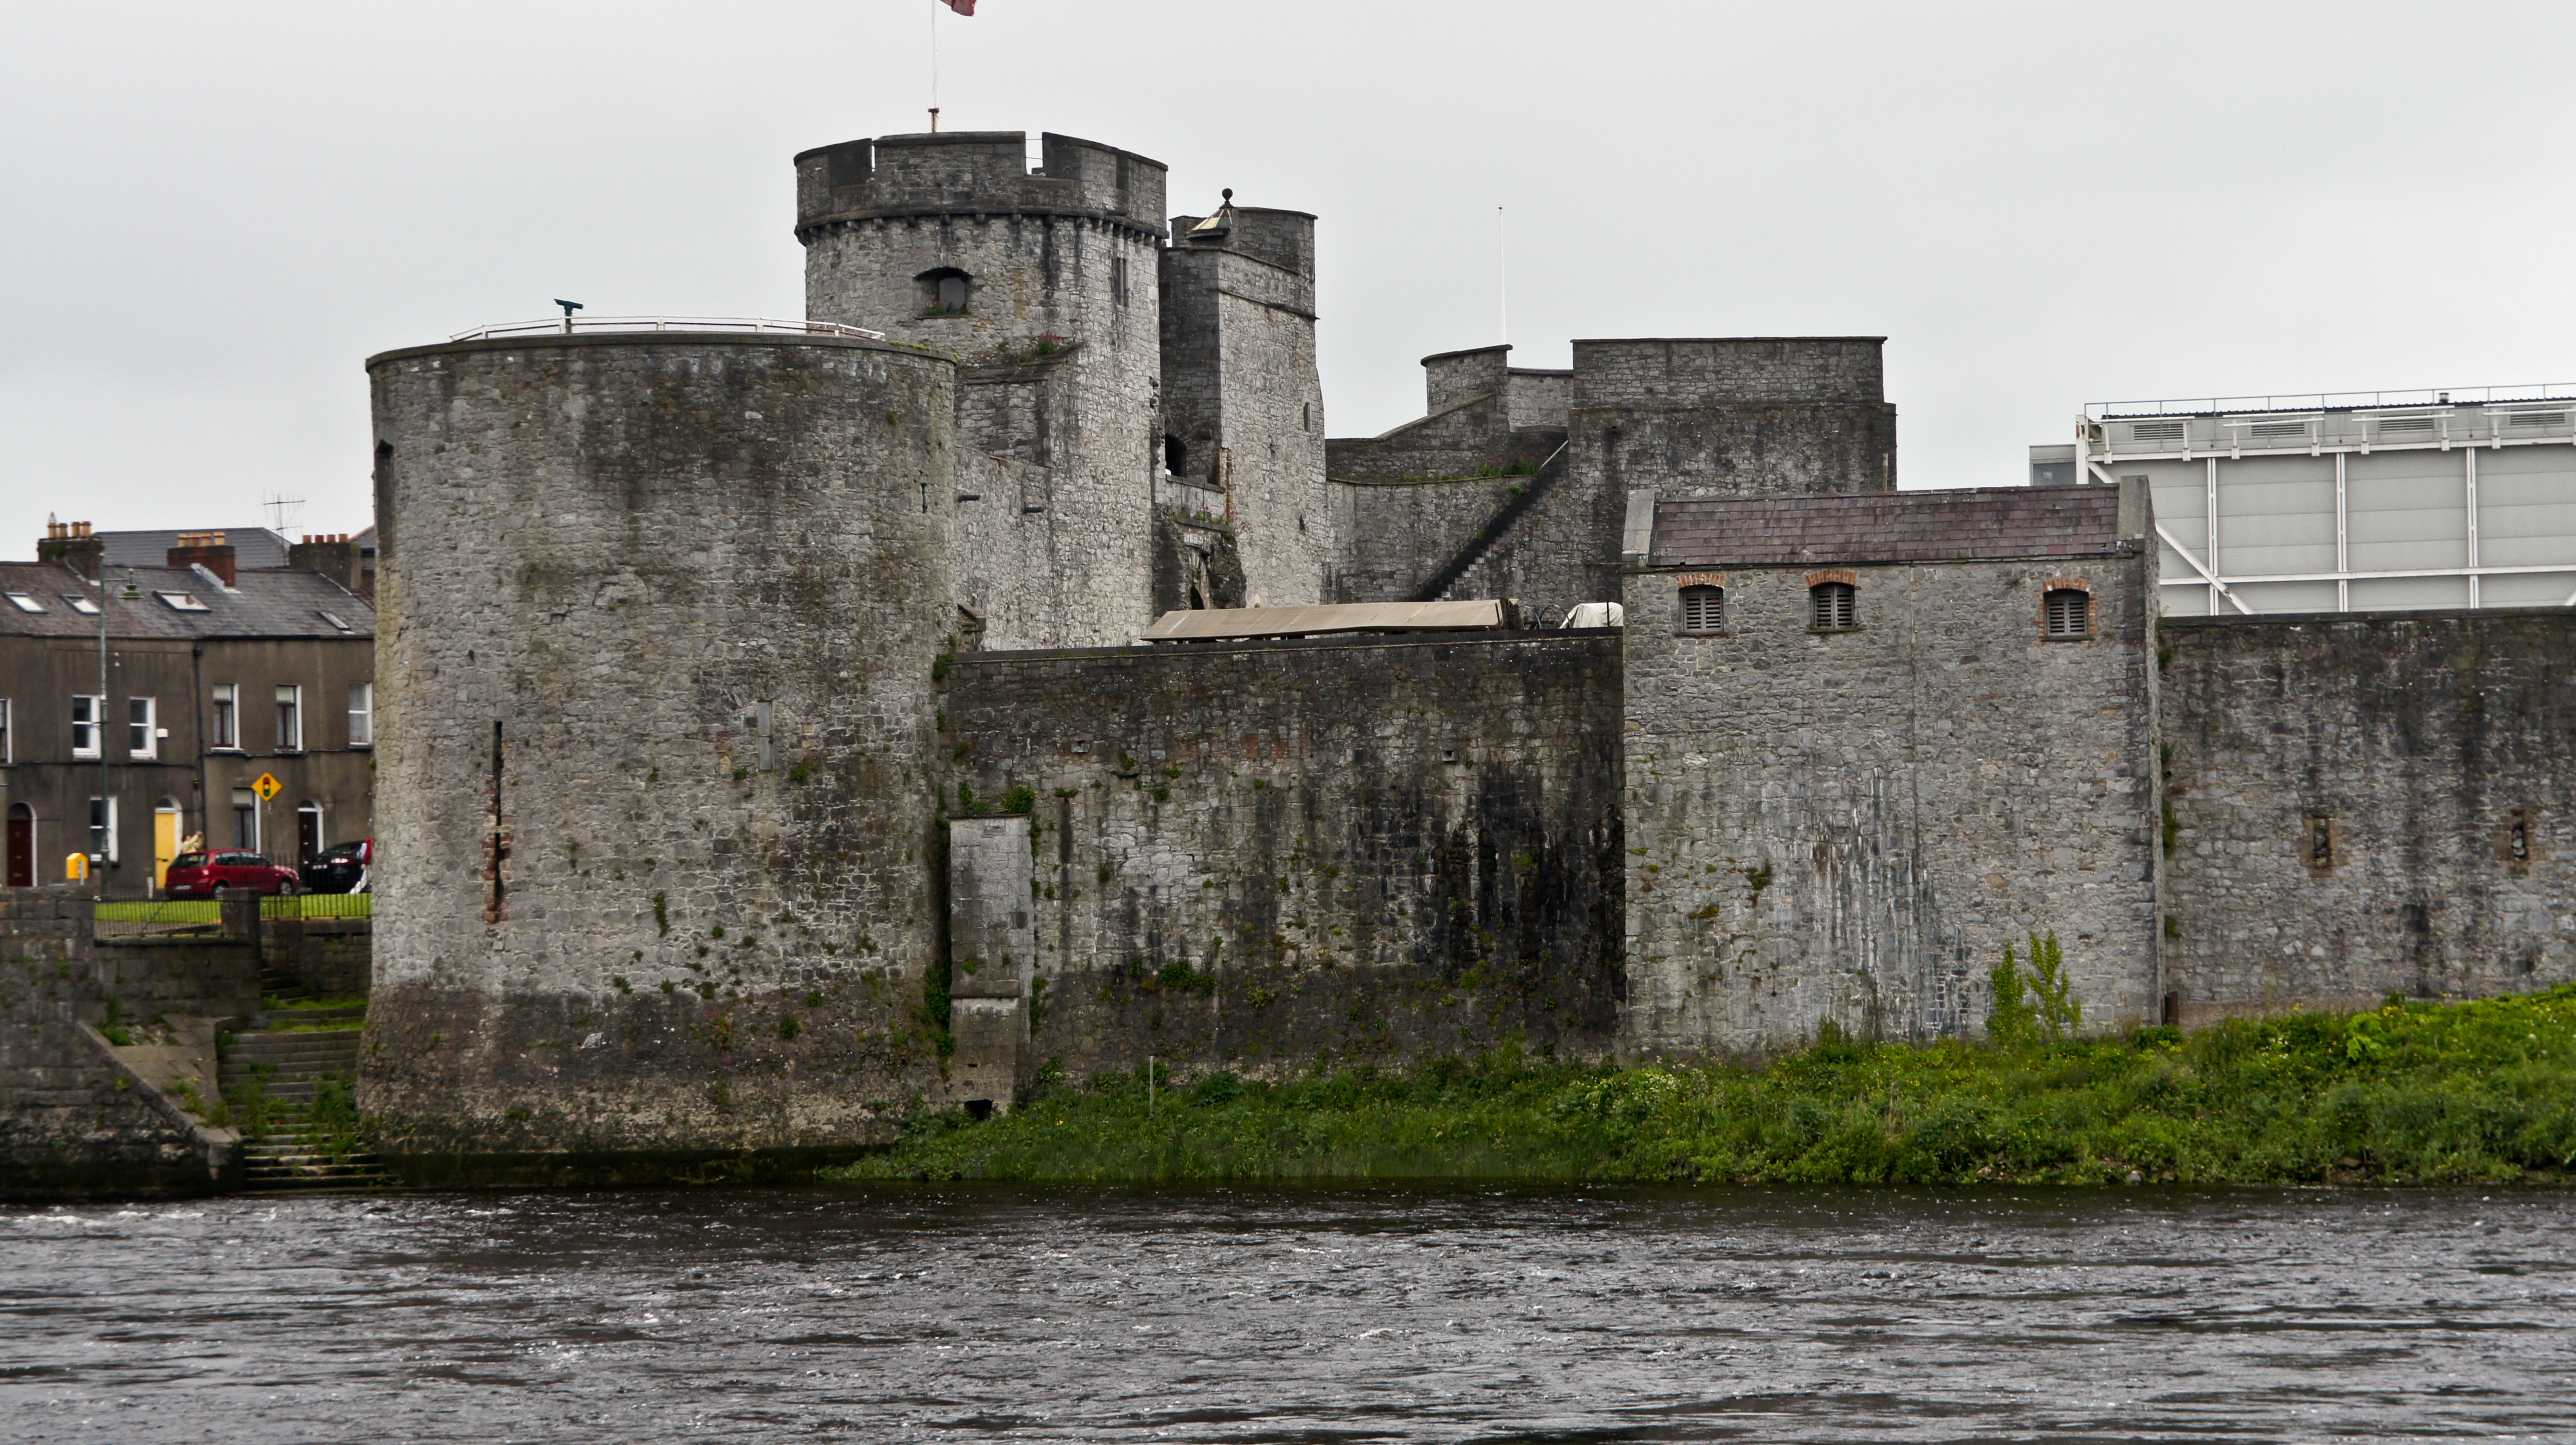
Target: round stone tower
pixel 1042 284
pixel 659 618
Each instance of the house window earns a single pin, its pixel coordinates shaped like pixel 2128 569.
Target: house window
pixel 1703 609
pixel 944 291
pixel 85 720
pixel 102 829
pixel 78 603
pixel 224 728
pixel 290 718
pixel 362 714
pixel 1834 607
pixel 141 742
pixel 245 819
pixel 25 603
pixel 6 757
pixel 2068 612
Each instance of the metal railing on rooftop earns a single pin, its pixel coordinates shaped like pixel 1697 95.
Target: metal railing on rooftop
pixel 562 326
pixel 2333 400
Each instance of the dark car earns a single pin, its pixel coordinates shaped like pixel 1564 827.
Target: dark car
pixel 340 868
pixel 198 875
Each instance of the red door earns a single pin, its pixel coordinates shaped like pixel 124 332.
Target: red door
pixel 22 848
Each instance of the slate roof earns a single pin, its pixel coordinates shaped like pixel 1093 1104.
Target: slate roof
pixel 253 547
pixel 278 603
pixel 1986 524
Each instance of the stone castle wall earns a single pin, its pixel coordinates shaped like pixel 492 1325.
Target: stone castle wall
pixel 1852 826
pixel 1061 331
pixel 1243 396
pixel 1253 856
pixel 660 620
pixel 1744 417
pixel 2368 804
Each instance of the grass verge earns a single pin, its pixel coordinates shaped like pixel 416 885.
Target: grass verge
pixel 2413 1093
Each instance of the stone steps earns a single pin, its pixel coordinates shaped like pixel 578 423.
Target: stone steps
pixel 287 1064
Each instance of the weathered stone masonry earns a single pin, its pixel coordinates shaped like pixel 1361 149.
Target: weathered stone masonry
pixel 1851 825
pixel 714 724
pixel 1254 856
pixel 2368 804
pixel 659 620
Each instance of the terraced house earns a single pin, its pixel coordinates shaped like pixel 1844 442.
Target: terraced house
pixel 140 705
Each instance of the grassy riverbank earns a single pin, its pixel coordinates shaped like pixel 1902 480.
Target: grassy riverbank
pixel 2412 1093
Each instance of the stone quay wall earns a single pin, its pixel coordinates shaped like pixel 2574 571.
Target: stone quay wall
pixel 2368 804
pixel 1259 856
pixel 661 614
pixel 76 1119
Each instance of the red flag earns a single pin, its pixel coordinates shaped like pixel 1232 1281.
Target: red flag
pixel 962 7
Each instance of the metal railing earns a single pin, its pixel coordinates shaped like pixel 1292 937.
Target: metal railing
pixel 319 905
pixel 2334 400
pixel 159 917
pixel 204 917
pixel 563 326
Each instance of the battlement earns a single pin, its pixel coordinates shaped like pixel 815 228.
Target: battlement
pixel 976 172
pixel 1663 372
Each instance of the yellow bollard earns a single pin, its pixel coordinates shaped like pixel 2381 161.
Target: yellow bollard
pixel 76 868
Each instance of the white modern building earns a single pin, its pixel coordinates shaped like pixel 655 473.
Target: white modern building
pixel 2456 497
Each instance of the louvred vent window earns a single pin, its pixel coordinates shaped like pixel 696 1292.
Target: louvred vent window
pixel 2070 613
pixel 1836 606
pixel 1703 609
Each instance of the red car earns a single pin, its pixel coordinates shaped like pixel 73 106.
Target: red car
pixel 198 875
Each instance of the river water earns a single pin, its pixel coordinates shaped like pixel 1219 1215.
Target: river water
pixel 958 1313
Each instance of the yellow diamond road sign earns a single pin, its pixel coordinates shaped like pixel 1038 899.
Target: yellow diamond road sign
pixel 267 787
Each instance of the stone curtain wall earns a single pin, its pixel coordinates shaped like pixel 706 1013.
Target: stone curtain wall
pixel 1851 826
pixel 2417 744
pixel 699 582
pixel 1256 856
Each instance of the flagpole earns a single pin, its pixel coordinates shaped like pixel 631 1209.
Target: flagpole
pixel 1502 279
pixel 934 64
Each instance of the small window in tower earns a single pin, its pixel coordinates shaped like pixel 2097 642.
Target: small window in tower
pixel 1175 455
pixel 1703 609
pixel 2069 612
pixel 945 291
pixel 1118 279
pixel 1835 607
pixel 2320 841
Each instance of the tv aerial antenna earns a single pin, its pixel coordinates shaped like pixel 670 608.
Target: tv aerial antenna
pixel 283 512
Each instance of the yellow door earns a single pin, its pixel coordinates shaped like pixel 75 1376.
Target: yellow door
pixel 165 845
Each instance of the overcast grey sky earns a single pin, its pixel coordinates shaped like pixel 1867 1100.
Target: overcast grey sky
pixel 214 212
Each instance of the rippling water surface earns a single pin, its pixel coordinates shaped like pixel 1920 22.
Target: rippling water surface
pixel 950 1313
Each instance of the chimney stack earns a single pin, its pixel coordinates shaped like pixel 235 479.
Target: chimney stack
pixel 333 554
pixel 71 544
pixel 205 549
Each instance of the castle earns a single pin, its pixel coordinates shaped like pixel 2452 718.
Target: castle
pixel 766 743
